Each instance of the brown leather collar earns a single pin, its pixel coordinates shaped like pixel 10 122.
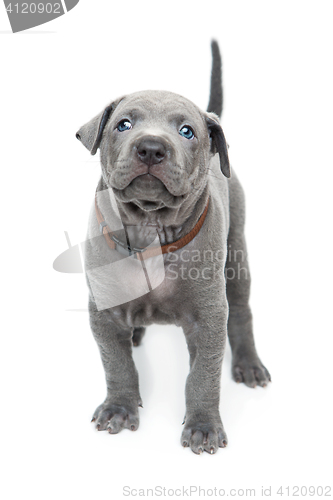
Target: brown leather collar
pixel 142 253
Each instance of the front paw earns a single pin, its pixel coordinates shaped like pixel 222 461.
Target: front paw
pixel 251 371
pixel 115 417
pixel 205 434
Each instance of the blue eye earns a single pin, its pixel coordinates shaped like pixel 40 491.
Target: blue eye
pixel 124 125
pixel 187 132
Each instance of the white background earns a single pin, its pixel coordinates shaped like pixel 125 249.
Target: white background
pixel 278 83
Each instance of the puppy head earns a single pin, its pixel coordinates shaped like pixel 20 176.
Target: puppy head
pixel 155 148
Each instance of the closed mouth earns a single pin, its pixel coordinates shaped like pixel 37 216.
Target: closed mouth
pixel 148 206
pixel 149 193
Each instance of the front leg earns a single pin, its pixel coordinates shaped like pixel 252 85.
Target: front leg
pixel 120 408
pixel 206 338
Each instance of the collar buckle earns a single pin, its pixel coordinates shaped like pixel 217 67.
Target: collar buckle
pixel 102 225
pixel 125 249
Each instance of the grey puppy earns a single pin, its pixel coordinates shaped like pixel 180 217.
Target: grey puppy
pixel 166 162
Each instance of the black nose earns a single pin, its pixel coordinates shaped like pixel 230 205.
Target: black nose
pixel 151 151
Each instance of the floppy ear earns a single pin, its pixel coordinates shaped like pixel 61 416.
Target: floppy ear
pixel 218 142
pixel 91 133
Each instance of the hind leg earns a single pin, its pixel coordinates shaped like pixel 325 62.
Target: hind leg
pixel 246 365
pixel 138 333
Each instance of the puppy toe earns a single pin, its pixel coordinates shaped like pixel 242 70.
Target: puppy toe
pixel 237 374
pixel 262 376
pixel 116 423
pixel 196 444
pixel 132 422
pixel 211 442
pixel 222 439
pixel 250 379
pixel 186 437
pixel 103 419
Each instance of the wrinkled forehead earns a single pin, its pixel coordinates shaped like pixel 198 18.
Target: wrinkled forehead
pixel 158 105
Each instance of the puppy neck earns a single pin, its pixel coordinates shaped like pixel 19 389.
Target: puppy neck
pixel 170 224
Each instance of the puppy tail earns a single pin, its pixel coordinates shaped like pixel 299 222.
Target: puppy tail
pixel 216 92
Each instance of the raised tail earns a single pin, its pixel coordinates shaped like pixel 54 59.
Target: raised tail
pixel 216 92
